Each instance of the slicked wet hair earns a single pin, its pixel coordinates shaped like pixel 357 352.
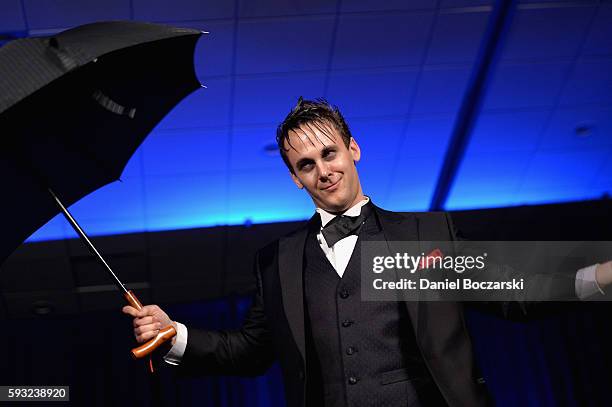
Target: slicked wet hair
pixel 311 114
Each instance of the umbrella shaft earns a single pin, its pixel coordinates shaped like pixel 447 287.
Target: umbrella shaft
pixel 88 242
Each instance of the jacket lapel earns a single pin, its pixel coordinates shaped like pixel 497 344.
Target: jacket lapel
pixel 290 268
pixel 396 228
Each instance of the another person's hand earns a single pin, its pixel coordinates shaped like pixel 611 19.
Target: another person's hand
pixel 148 321
pixel 604 274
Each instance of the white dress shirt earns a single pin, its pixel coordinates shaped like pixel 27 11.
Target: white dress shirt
pixel 339 256
pixel 340 253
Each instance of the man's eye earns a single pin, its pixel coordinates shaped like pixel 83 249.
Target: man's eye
pixel 330 155
pixel 306 167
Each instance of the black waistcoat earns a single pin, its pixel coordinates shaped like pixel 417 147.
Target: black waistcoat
pixel 358 353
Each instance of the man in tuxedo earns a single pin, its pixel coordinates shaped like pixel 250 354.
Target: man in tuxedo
pixel 333 348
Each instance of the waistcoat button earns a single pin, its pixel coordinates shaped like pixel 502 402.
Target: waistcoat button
pixel 344 294
pixel 353 380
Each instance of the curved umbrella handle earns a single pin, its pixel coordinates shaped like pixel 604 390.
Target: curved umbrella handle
pixel 147 348
pixel 162 336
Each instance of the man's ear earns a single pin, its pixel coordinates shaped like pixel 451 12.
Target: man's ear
pixel 296 180
pixel 354 150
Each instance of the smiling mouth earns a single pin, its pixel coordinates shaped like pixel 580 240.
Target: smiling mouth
pixel 331 187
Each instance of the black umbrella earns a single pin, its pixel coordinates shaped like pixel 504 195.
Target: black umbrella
pixel 74 107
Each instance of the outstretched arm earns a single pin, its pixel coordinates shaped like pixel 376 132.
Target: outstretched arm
pixel 547 286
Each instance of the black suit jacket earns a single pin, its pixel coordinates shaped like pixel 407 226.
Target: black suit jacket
pixel 274 326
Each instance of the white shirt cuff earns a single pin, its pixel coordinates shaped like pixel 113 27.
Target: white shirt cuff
pixel 586 282
pixel 175 354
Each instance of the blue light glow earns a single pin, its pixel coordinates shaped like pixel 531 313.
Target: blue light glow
pixel 399 73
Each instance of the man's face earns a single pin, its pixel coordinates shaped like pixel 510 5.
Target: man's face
pixel 325 166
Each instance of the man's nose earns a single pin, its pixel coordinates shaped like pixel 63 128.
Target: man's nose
pixel 323 170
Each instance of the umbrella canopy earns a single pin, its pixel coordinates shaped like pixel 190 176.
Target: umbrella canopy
pixel 74 108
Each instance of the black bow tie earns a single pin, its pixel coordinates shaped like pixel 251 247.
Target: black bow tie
pixel 342 226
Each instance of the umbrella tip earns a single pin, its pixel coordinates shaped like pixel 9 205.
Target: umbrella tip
pixel 205 32
pixel 203 86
